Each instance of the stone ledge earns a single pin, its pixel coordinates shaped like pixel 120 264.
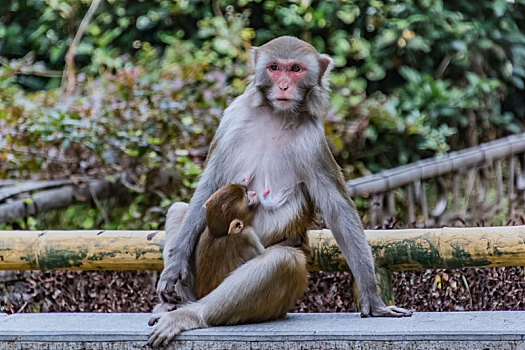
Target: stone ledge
pixel 424 330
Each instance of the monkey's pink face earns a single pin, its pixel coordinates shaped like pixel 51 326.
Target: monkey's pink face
pixel 286 76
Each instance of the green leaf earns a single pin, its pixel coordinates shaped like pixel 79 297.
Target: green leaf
pixel 418 43
pixel 458 45
pixel 410 74
pixel 499 7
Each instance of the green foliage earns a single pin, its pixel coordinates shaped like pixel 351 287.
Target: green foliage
pixel 158 114
pixel 412 79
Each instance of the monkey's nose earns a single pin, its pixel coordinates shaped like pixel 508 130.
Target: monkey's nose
pixel 283 86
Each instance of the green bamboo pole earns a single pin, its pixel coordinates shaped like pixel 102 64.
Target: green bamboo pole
pixel 407 249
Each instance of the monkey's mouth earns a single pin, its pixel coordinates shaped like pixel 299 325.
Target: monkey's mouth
pixel 253 203
pixel 283 104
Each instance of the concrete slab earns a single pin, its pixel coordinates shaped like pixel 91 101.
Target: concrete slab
pixel 450 330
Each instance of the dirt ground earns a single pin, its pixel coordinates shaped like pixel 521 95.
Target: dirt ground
pixel 133 291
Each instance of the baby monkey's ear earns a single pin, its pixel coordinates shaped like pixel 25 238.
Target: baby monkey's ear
pixel 236 226
pixel 205 205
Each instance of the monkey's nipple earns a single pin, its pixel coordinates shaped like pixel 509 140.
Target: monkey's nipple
pixel 266 191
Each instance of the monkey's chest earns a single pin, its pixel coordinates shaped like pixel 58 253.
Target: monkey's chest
pixel 271 170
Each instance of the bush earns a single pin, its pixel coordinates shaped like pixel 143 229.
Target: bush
pixel 412 79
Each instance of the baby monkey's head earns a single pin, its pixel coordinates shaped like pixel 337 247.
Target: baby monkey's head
pixel 230 209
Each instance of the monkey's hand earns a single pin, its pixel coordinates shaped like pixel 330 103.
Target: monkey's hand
pixel 164 306
pixel 176 283
pixel 170 324
pixel 376 308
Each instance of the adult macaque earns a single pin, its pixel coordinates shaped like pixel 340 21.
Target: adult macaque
pixel 271 139
pixel 228 241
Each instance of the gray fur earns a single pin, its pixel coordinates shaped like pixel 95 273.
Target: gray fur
pixel 287 152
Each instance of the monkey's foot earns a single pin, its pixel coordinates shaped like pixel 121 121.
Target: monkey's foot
pixel 170 324
pixel 374 307
pixel 388 311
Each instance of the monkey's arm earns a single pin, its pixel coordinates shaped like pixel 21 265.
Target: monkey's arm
pixel 253 241
pixel 181 239
pixel 328 191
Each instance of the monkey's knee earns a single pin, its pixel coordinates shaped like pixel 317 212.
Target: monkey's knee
pixel 286 281
pixel 262 289
pixel 289 264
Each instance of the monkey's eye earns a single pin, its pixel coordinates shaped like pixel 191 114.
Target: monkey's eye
pixel 296 68
pixel 273 67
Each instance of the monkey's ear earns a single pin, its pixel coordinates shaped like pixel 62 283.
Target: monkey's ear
pixel 207 203
pixel 325 65
pixel 254 52
pixel 236 226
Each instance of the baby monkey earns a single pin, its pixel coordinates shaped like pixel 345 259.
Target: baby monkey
pixel 228 244
pixel 229 240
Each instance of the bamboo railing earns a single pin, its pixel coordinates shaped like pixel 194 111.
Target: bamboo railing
pixel 393 250
pixel 469 186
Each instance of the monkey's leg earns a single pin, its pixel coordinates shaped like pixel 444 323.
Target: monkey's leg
pixel 262 289
pixel 169 300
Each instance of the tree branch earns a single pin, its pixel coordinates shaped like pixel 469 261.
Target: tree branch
pixel 68 78
pixel 57 198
